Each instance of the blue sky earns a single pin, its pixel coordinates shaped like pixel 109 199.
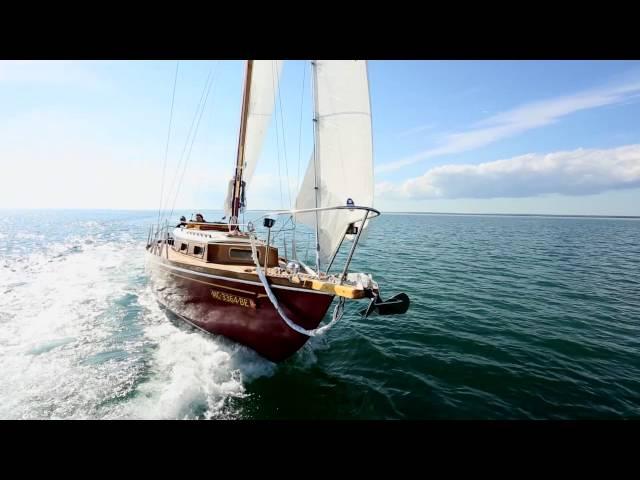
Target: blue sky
pixel 556 137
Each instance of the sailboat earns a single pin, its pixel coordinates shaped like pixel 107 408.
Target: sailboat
pixel 231 279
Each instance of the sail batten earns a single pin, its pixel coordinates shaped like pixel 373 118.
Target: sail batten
pixel 341 168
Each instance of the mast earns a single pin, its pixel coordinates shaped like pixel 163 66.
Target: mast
pixel 314 79
pixel 237 183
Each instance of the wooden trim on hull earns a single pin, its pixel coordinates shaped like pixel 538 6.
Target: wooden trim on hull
pixel 217 285
pixel 247 274
pixel 239 310
pixel 229 276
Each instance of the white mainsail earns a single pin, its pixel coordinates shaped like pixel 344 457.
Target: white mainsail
pixel 265 75
pixel 264 87
pixel 343 163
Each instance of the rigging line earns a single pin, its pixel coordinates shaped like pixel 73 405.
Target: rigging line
pixel 273 80
pixel 184 148
pixel 193 139
pixel 284 145
pixel 304 74
pixel 166 149
pixel 297 191
pixel 191 136
pixel 274 236
pixel 187 158
pixel 195 115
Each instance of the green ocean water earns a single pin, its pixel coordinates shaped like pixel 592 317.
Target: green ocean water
pixel 512 317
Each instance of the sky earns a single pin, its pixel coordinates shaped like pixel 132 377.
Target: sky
pixel 532 137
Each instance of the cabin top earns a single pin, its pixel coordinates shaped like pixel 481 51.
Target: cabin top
pixel 218 247
pixel 209 236
pixel 215 226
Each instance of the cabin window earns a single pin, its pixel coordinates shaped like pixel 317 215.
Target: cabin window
pixel 197 251
pixel 184 247
pixel 238 254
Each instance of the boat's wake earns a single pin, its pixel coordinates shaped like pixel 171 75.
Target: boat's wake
pixel 82 336
pixel 191 374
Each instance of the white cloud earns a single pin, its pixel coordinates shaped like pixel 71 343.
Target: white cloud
pixel 413 131
pixel 263 193
pixel 50 72
pixel 521 119
pixel 63 160
pixel 577 172
pixel 51 158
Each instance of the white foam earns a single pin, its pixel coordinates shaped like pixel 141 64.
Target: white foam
pixel 82 337
pixel 192 374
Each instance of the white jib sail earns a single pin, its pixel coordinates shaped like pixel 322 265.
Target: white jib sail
pixel 343 164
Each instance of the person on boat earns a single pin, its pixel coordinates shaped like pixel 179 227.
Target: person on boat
pixel 183 222
pixel 200 218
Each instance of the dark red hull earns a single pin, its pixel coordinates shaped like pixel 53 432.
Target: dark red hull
pixel 236 309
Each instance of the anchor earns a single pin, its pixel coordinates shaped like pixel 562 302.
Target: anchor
pixel 396 305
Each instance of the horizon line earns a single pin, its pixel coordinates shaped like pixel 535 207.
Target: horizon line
pixel 392 212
